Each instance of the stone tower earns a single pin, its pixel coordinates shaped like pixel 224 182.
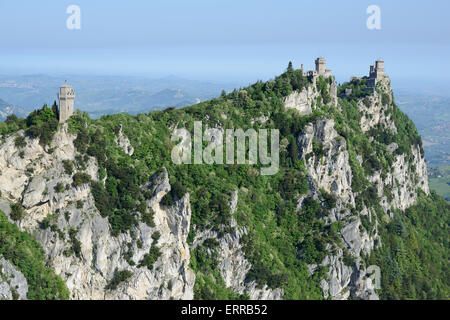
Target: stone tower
pixel 321 66
pixel 321 69
pixel 376 73
pixel 66 97
pixel 379 68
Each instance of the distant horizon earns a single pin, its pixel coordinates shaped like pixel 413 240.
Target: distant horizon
pixel 344 72
pixel 224 41
pixel 436 85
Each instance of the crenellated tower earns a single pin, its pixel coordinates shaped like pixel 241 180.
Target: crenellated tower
pixel 66 97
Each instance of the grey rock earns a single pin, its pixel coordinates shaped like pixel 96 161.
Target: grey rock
pixel 13 284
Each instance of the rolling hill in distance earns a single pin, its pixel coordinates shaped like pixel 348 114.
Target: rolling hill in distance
pixel 7 109
pixel 99 95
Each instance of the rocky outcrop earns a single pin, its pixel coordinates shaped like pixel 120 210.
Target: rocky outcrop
pixel 406 175
pixel 124 143
pixel 333 92
pixel 403 181
pixel 326 159
pixel 13 285
pixel 102 254
pixel 305 100
pixel 232 263
pixel 302 101
pixel 374 112
pixel 32 179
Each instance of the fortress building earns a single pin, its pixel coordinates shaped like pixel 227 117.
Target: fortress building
pixel 66 97
pixel 376 73
pixel 376 76
pixel 321 69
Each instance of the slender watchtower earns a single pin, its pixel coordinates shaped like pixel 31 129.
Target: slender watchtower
pixel 66 97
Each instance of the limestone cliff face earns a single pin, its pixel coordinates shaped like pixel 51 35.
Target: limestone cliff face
pixel 404 180
pixel 233 265
pixel 330 171
pixel 332 174
pixel 31 180
pixel 38 179
pixel 13 285
pixel 374 111
pixel 406 175
pixel 305 101
pixel 302 101
pixel 124 143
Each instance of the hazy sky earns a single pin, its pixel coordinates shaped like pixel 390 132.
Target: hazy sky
pixel 224 40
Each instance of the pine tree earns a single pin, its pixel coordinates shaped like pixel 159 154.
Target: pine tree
pixel 55 109
pixel 293 150
pixel 290 68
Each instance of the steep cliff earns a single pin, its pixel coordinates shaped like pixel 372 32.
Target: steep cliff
pixel 78 241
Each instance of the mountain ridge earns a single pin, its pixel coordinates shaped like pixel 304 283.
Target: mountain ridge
pixel 99 95
pixel 7 109
pixel 126 223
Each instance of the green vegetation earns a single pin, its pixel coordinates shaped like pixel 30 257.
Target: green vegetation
pixel 415 252
pixel 147 217
pixel 17 211
pixel 40 124
pixel 12 124
pixel 209 285
pixel 439 179
pixel 28 257
pixel 60 188
pixel 68 167
pixel 80 178
pixel 76 244
pixel 322 85
pixel 359 88
pixel 119 277
pixel 150 258
pixel 48 221
pixel 20 142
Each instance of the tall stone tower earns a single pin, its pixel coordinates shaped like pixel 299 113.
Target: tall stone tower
pixel 379 68
pixel 66 97
pixel 321 66
pixel 376 73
